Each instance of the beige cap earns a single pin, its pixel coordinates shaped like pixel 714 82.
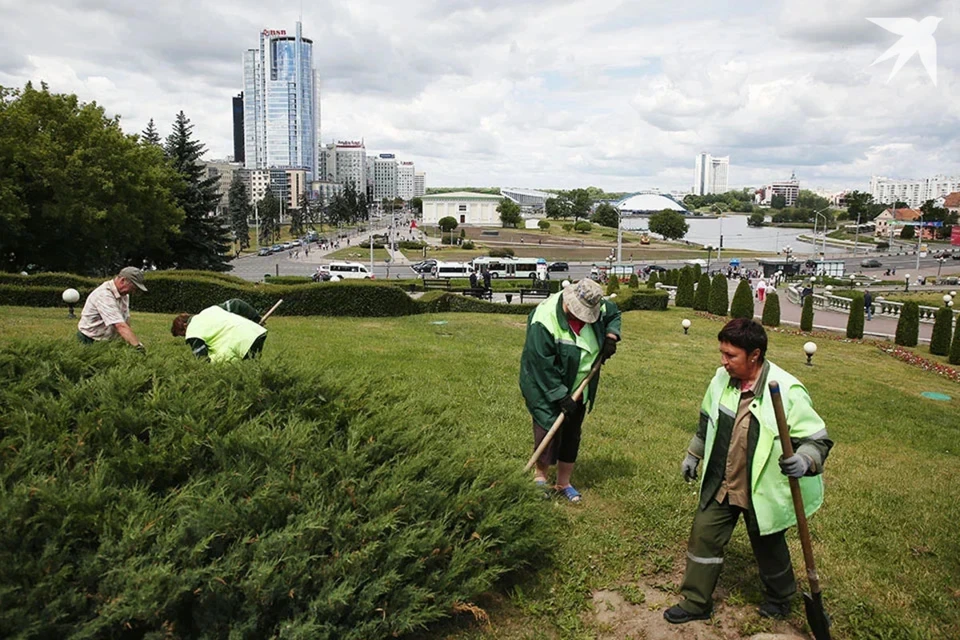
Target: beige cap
pixel 583 300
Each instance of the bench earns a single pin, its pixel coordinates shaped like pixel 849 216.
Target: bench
pixel 436 283
pixel 478 293
pixel 533 293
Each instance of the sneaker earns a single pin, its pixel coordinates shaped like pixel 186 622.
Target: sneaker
pixel 678 615
pixel 775 610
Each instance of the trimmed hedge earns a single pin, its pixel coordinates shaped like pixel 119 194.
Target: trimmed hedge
pixel 771 310
pixel 444 302
pixel 719 297
pixel 742 306
pixel 940 339
pixel 288 280
pixel 908 326
pixel 806 316
pixel 158 496
pixel 642 300
pixel 954 357
pixel 855 319
pixel 701 298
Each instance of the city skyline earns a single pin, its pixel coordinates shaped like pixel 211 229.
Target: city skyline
pixel 495 93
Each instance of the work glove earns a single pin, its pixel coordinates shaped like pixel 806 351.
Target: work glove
pixel 141 348
pixel 796 466
pixel 689 467
pixel 609 348
pixel 568 405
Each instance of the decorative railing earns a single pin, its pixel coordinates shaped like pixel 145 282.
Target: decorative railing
pixel 880 306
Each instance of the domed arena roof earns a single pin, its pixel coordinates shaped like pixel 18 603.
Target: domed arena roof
pixel 649 203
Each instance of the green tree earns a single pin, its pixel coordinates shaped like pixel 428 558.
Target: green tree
pixel 203 242
pixel 771 310
pixel 701 298
pixel 652 280
pixel 238 204
pixel 697 271
pixel 755 219
pixel 150 135
pixel 580 203
pixel 567 226
pixel 76 193
pixel 544 225
pixel 908 326
pixel 807 199
pixel 719 297
pixel 417 205
pixel 606 215
pixel 634 281
pixel 806 315
pixel 954 357
pixel 669 224
pixel 685 288
pixel 855 319
pixel 778 202
pixel 557 207
pixel 583 226
pixel 447 224
pixel 268 211
pixel 742 306
pixel 940 339
pixel 613 284
pixel 907 233
pixel 509 213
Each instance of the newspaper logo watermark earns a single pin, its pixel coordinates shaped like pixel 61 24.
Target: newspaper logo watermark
pixel 916 37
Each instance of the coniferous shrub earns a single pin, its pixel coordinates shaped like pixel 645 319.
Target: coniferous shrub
pixel 771 310
pixel 652 280
pixel 719 297
pixel 685 289
pixel 954 357
pixel 942 326
pixel 806 315
pixel 613 284
pixel 701 298
pixel 742 305
pixel 855 319
pixel 697 271
pixel 634 281
pixel 908 326
pixel 161 496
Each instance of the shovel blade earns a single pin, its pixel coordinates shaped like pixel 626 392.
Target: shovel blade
pixel 816 617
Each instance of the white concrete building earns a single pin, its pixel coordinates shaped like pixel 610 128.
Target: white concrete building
pixel 477 209
pixel 226 170
pixel 710 174
pixel 529 200
pixel 350 164
pixel 384 177
pixel 913 192
pixel 405 180
pixel 419 184
pixel 323 191
pixel 258 181
pixel 789 189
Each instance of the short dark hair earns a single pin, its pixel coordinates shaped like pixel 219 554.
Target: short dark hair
pixel 745 333
pixel 179 327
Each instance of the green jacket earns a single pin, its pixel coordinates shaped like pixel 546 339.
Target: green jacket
pixel 769 488
pixel 551 358
pixel 222 335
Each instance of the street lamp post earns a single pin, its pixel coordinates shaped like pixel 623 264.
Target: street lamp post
pixel 824 249
pixel 856 237
pixel 906 282
pixel 709 249
pixel 919 240
pixel 619 237
pixel 720 247
pixel 940 262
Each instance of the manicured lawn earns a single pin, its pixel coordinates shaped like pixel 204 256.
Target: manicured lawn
pixel 886 540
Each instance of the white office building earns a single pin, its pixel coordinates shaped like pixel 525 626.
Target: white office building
pixel 384 177
pixel 710 174
pixel 405 180
pixel 347 164
pixel 465 207
pixel 419 185
pixel 281 103
pixel 913 192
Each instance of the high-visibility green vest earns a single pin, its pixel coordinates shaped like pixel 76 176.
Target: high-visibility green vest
pixel 228 336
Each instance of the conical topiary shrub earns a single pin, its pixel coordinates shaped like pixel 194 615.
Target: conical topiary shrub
pixel 771 310
pixel 742 306
pixel 806 316
pixel 701 298
pixel 908 327
pixel 697 272
pixel 855 319
pixel 685 289
pixel 940 340
pixel 613 285
pixel 719 298
pixel 954 357
pixel 634 281
pixel 652 280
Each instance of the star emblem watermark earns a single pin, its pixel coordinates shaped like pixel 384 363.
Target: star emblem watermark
pixel 916 37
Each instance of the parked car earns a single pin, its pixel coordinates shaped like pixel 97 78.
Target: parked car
pixel 558 266
pixel 424 266
pixel 870 262
pixel 264 251
pixel 276 248
pixel 653 267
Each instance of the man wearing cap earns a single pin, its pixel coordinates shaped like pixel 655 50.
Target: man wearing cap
pixel 106 312
pixel 566 334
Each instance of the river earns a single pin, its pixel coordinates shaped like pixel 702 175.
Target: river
pixel 738 235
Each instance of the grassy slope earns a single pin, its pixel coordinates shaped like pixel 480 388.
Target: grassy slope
pixel 886 541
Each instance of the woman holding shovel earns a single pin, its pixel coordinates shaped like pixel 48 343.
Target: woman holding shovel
pixel 569 335
pixel 745 474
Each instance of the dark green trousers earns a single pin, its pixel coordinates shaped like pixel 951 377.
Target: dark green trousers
pixel 711 531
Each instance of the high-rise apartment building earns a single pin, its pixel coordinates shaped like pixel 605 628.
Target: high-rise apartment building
pixel 710 174
pixel 419 185
pixel 405 180
pixel 384 177
pixel 349 160
pixel 281 103
pixel 913 192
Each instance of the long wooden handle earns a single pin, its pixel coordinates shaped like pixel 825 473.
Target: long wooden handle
pixel 272 309
pixel 559 421
pixel 802 528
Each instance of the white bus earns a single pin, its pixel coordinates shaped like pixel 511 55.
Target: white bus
pixel 350 271
pixel 452 270
pixel 522 268
pixel 496 266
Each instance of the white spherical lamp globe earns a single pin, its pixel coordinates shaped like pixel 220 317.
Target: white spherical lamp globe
pixel 810 348
pixel 953 294
pixel 947 298
pixel 564 284
pixel 71 296
pixel 685 324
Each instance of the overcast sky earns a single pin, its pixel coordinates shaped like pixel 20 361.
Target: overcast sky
pixel 535 93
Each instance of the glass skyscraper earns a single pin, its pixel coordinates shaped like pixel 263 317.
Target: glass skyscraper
pixel 281 103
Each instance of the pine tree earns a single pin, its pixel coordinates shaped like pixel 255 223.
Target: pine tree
pixel 742 306
pixel 771 310
pixel 634 281
pixel 701 299
pixel 613 284
pixel 908 327
pixel 685 288
pixel 150 135
pixel 855 319
pixel 719 297
pixel 203 242
pixel 241 211
pixel 954 357
pixel 940 340
pixel 806 316
pixel 697 272
pixel 268 210
pixel 652 280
